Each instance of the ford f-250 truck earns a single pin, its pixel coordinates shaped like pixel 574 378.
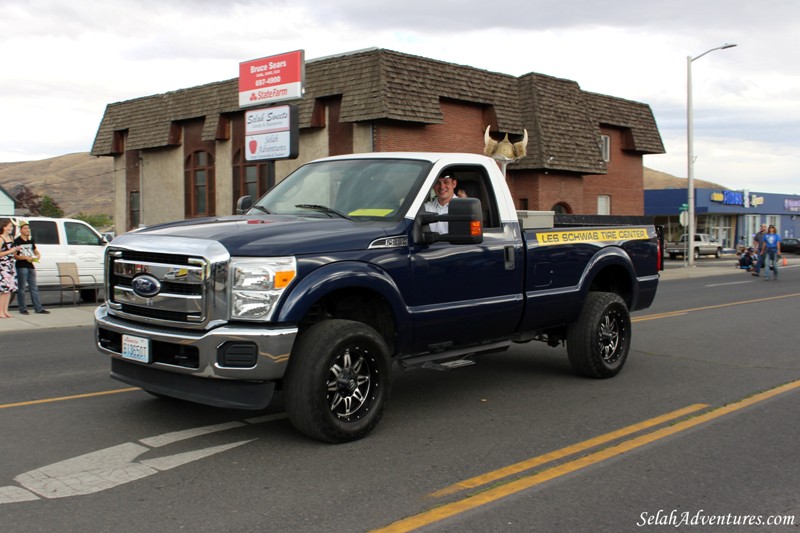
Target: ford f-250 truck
pixel 334 275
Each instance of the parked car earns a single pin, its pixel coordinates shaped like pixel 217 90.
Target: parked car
pixel 67 240
pixel 704 244
pixel 790 246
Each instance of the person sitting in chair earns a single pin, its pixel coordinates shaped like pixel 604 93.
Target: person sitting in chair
pixel 746 260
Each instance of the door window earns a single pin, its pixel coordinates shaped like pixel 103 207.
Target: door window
pixel 44 232
pixel 81 234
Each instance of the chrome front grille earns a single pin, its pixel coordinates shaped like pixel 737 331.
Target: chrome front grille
pixel 186 289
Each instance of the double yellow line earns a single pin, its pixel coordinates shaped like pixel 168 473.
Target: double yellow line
pixel 65 398
pixel 522 483
pixel 680 312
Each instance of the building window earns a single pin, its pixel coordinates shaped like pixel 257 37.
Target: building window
pixel 523 204
pixel 252 178
pixel 605 147
pixel 134 210
pixel 603 204
pixel 200 190
pixel 561 209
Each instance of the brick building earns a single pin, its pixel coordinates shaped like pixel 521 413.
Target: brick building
pixel 181 154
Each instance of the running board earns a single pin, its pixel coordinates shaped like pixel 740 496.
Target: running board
pixel 450 359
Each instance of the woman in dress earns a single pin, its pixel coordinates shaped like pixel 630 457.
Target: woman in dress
pixel 8 270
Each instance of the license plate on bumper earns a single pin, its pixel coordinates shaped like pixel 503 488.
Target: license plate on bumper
pixel 136 348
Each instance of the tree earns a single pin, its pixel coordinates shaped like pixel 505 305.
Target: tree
pixel 98 221
pixel 50 208
pixel 27 200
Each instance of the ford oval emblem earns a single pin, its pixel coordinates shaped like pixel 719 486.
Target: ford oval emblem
pixel 145 286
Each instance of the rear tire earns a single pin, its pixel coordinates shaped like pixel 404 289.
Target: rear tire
pixel 338 381
pixel 598 343
pixel 718 253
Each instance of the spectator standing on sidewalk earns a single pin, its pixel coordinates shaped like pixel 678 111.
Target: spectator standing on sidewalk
pixel 758 241
pixel 8 274
pixel 771 250
pixel 26 256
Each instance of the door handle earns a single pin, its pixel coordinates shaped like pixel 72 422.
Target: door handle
pixel 508 252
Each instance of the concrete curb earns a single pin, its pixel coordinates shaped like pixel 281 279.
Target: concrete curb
pixel 59 317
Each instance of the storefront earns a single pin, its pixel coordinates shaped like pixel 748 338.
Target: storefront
pixel 733 217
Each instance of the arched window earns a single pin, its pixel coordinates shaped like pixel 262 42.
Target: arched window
pixel 200 186
pixel 561 209
pixel 251 178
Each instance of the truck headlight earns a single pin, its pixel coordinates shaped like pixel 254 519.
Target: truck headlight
pixel 256 285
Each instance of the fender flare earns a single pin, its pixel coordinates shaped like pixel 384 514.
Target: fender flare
pixel 343 275
pixel 610 256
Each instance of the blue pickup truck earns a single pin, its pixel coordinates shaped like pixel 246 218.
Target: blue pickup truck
pixel 331 277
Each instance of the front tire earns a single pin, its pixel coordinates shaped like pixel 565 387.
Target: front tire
pixel 598 343
pixel 338 381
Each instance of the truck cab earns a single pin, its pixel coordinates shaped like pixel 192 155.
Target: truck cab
pixel 336 274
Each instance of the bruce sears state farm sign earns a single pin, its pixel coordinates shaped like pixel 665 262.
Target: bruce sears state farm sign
pixel 271 79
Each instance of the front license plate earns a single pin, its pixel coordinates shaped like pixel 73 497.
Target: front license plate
pixel 136 348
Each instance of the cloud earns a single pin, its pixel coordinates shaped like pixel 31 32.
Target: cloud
pixel 62 63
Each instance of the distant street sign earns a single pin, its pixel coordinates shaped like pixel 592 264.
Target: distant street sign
pixel 684 207
pixel 684 218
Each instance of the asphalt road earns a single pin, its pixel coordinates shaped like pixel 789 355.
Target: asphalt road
pixel 694 428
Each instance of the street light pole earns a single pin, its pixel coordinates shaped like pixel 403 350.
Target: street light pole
pixel 690 150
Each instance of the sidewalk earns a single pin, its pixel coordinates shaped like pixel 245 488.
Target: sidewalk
pixel 69 316
pixel 712 267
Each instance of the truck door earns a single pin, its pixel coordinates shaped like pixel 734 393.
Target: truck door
pixel 466 294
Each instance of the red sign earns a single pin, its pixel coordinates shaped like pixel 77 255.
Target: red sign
pixel 271 79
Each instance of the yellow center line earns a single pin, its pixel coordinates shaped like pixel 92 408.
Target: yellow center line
pixel 517 468
pixel 65 398
pixel 471 502
pixel 707 307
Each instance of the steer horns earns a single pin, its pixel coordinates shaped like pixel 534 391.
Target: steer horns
pixel 505 150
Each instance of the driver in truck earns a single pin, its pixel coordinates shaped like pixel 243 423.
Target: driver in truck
pixel 445 190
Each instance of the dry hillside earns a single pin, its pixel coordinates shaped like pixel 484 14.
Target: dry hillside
pixel 77 182
pixel 82 183
pixel 653 179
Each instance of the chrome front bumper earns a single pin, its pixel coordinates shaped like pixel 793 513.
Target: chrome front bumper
pixel 274 344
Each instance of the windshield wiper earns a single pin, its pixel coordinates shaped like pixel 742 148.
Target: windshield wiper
pixel 324 209
pixel 261 208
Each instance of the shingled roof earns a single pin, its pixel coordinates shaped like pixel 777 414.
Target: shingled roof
pixel 378 84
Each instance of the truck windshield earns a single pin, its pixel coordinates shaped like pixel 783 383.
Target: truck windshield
pixel 356 188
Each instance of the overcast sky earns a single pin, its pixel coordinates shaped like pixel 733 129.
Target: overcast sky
pixel 62 62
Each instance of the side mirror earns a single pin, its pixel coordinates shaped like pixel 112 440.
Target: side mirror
pixel 465 223
pixel 243 204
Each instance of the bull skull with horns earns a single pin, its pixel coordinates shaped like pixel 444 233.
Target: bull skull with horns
pixel 504 151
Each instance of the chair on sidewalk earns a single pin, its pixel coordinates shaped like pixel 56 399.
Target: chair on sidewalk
pixel 70 280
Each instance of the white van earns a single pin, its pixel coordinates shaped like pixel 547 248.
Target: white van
pixel 66 240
